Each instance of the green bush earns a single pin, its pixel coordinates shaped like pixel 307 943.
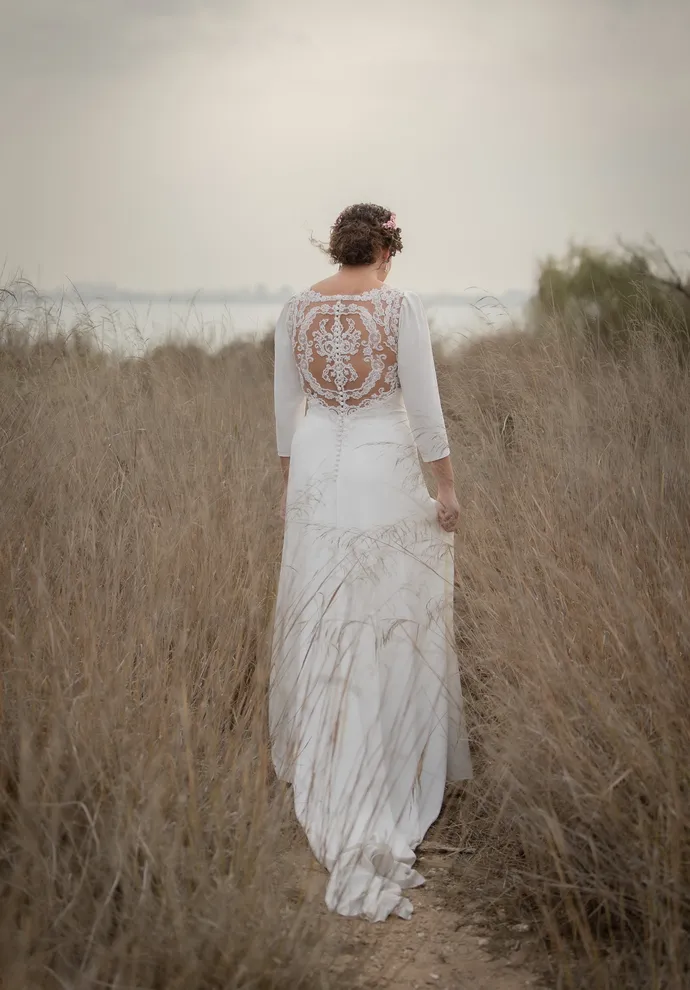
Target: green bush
pixel 615 298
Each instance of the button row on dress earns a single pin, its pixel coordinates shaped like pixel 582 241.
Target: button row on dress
pixel 339 442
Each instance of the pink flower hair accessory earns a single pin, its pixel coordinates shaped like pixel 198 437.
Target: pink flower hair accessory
pixel 392 223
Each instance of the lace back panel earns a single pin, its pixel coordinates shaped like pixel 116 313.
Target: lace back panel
pixel 346 347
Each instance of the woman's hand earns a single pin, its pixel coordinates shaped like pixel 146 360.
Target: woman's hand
pixel 448 508
pixel 448 511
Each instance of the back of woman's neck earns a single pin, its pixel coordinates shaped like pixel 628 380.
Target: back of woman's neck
pixel 350 281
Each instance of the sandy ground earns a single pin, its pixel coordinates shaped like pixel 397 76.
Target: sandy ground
pixel 436 948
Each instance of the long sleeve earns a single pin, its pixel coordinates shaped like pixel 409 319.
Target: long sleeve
pixel 287 389
pixel 418 381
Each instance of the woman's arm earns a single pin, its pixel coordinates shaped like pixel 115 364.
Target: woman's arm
pixel 285 469
pixel 420 393
pixel 287 390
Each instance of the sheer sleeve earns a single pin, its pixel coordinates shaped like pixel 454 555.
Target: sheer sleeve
pixel 287 388
pixel 418 381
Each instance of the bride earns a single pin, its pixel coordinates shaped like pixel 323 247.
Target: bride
pixel 365 703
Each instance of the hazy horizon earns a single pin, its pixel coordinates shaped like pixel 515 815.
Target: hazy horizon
pixel 170 145
pixel 258 292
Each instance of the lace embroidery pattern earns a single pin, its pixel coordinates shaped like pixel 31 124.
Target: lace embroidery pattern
pixel 346 347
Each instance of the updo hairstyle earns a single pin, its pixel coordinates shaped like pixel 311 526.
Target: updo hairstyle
pixel 361 232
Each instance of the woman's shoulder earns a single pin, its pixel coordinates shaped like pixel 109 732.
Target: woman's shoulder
pixel 412 299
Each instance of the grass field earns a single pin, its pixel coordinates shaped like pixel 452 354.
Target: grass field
pixel 143 840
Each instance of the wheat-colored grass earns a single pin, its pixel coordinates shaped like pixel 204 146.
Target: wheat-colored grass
pixel 573 586
pixel 143 840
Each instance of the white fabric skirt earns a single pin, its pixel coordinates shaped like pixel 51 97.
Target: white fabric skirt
pixel 365 702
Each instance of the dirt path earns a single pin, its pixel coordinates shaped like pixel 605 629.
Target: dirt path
pixel 437 948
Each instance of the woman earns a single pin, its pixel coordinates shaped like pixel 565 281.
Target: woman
pixel 365 702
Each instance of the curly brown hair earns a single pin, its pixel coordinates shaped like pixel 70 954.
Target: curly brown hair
pixel 359 235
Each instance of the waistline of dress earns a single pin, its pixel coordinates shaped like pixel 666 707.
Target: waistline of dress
pixel 391 405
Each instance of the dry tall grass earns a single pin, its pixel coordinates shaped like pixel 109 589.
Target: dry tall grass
pixel 142 839
pixel 573 594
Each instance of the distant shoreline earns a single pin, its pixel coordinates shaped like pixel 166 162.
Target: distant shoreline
pixel 106 294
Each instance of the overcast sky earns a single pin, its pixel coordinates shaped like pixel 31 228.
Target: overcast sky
pixel 173 144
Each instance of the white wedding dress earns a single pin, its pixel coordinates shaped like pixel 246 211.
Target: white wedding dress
pixel 365 703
